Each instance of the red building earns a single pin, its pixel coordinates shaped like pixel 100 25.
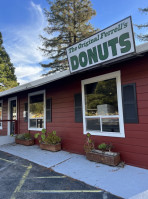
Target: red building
pixel 109 101
pixel 105 93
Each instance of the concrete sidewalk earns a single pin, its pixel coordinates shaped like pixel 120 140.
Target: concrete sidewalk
pixel 128 182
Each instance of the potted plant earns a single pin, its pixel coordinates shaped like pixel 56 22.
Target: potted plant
pixel 89 144
pixel 49 141
pixel 24 139
pixel 103 155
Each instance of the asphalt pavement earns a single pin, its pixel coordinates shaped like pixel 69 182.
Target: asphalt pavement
pixel 20 178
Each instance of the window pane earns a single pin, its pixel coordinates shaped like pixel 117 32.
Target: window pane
pixel 36 114
pixel 110 124
pixel 36 110
pixel 36 98
pixel 40 123
pixel 33 123
pixel 101 98
pixel 92 124
pixel 0 111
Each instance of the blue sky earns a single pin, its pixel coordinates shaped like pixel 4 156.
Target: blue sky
pixel 22 21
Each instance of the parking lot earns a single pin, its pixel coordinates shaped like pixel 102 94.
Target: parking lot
pixel 23 179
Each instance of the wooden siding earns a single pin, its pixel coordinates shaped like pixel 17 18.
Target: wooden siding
pixel 133 148
pixel 4 129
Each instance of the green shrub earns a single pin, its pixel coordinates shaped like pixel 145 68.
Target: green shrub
pixel 24 136
pixel 105 147
pixel 52 138
pixel 41 136
pixel 102 146
pixel 48 138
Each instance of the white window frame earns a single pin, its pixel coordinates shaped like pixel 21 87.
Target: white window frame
pixel 32 94
pixel 120 109
pixel 1 127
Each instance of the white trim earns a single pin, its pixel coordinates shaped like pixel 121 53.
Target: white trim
pixel 9 100
pixel 32 94
pixel 1 127
pixel 120 110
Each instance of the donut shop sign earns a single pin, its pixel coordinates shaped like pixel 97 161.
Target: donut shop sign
pixel 110 43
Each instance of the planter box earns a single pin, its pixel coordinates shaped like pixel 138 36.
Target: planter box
pixel 109 158
pixel 51 147
pixel 24 142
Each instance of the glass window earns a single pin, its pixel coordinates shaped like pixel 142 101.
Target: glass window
pixel 101 105
pixel 0 115
pixel 101 98
pixel 36 111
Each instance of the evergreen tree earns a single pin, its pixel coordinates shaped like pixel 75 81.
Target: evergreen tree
pixel 68 23
pixel 143 37
pixel 7 76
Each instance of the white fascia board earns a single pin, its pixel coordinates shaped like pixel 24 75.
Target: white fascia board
pixel 36 83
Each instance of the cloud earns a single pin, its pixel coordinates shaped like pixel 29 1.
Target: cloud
pixel 28 73
pixel 22 43
pixel 23 71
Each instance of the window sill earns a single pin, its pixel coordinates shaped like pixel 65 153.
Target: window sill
pixel 106 134
pixel 35 129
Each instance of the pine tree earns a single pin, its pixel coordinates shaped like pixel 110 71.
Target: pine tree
pixel 68 23
pixel 7 76
pixel 143 37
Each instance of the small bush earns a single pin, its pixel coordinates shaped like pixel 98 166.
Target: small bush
pixel 105 147
pixel 102 146
pixel 24 136
pixel 48 138
pixel 52 138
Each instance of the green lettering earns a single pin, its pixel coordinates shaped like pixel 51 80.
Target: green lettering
pixel 125 44
pixel 103 55
pixel 112 43
pixel 92 55
pixel 74 62
pixel 83 59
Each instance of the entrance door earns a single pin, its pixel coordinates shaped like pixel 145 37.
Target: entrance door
pixel 12 115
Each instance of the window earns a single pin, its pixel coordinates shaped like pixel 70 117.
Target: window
pixel 102 105
pixel 36 110
pixel 1 114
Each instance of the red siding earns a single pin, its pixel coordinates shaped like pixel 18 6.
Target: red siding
pixel 133 148
pixel 3 132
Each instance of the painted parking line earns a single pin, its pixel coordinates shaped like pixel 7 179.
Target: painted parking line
pixel 25 177
pixel 18 188
pixel 50 177
pixel 12 162
pixel 61 191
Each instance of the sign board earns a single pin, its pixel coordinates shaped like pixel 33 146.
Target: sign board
pixel 110 43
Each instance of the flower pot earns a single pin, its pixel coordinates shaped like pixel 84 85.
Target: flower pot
pixel 24 142
pixel 109 158
pixel 51 147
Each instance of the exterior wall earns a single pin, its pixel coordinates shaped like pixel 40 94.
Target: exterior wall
pixel 22 125
pixel 133 148
pixel 3 131
pixel 63 116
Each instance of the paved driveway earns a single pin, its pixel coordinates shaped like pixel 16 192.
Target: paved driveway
pixel 22 179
